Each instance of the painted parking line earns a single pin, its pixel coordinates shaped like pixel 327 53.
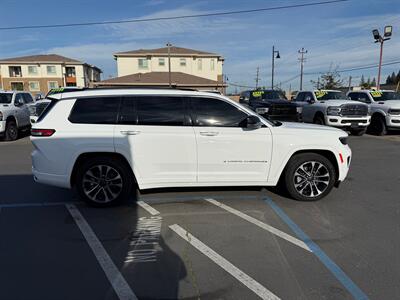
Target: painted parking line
pixel 36 204
pixel 118 282
pixel 260 224
pixel 351 287
pixel 148 208
pixel 245 279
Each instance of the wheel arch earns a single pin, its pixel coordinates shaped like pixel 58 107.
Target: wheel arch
pixel 87 155
pixel 319 114
pixel 12 118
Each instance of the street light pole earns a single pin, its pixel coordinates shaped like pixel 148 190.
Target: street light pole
pixel 273 64
pixel 381 39
pixel 169 64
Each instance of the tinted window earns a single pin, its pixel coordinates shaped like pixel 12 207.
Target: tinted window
pixel 158 110
pixel 329 95
pixel 95 110
pixel 19 98
pixel 308 96
pixel 362 97
pixel 5 98
pixel 267 95
pixel 214 112
pixel 300 97
pixel 128 114
pixel 28 98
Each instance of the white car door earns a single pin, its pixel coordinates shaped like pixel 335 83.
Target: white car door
pixel 227 152
pixel 153 134
pixel 21 110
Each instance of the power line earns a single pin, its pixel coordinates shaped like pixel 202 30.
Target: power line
pixel 357 68
pixel 223 13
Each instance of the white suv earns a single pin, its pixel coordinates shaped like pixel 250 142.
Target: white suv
pixel 105 141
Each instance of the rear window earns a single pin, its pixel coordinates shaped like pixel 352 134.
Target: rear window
pixel 47 109
pixel 102 110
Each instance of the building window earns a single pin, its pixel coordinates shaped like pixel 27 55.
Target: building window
pixel 15 71
pixel 51 70
pixel 143 63
pixel 70 71
pixel 32 70
pixel 34 86
pixel 52 85
pixel 161 62
pixel 212 64
pixel 199 64
pixel 182 62
pixel 17 86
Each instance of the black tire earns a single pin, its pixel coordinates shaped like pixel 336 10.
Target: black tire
pixel 11 133
pixel 378 126
pixel 111 173
pixel 319 120
pixel 357 132
pixel 303 160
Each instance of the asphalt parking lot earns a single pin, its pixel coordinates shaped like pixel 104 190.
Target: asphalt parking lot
pixel 238 243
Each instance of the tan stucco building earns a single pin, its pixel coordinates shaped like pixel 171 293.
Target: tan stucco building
pixel 40 73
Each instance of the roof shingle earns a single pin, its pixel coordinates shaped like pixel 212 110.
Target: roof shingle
pixel 174 51
pixel 42 58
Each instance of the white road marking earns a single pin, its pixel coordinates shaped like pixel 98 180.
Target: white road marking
pixel 150 210
pixel 262 225
pixel 121 287
pixel 245 279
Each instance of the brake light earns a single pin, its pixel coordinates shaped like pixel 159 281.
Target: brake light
pixel 42 132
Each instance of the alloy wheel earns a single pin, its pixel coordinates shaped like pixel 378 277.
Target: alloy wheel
pixel 311 179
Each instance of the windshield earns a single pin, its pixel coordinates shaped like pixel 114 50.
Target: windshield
pixel 329 95
pixel 5 98
pixel 383 96
pixel 267 95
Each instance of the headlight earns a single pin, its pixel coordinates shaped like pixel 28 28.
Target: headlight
pixel 299 109
pixel 1 116
pixel 343 140
pixel 394 112
pixel 262 110
pixel 333 111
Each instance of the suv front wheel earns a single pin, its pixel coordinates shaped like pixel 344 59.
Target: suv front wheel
pixel 103 181
pixel 309 176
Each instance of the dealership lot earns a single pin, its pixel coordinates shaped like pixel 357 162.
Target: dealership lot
pixel 237 243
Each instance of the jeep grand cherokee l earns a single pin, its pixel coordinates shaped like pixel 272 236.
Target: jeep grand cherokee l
pixel 104 142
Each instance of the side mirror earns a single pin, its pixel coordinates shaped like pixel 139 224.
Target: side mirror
pixel 39 97
pixel 253 122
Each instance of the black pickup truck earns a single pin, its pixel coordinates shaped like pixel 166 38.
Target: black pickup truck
pixel 271 104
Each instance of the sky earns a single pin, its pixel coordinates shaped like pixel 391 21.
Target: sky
pixel 336 35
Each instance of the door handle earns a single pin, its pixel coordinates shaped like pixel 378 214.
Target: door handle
pixel 209 133
pixel 130 132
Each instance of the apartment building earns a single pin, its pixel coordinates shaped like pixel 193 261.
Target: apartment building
pixel 148 67
pixel 40 73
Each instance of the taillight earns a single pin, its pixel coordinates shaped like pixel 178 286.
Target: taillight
pixel 341 158
pixel 42 132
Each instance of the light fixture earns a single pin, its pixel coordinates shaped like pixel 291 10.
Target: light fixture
pixel 388 31
pixel 277 55
pixel 376 34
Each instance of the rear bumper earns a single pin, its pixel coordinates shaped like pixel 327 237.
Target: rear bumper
pixel 51 179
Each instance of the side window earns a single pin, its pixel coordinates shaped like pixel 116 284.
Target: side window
pixel 160 111
pixel 19 98
pixel 28 98
pixel 102 110
pixel 353 96
pixel 363 98
pixel 214 112
pixel 128 113
pixel 299 97
pixel 308 96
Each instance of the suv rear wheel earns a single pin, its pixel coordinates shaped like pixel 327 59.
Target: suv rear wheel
pixel 11 133
pixel 309 176
pixel 103 181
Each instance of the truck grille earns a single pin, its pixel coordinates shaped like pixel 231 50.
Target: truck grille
pixel 354 110
pixel 278 109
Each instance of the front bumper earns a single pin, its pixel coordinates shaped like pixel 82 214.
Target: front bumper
pixel 2 126
pixel 348 122
pixel 393 121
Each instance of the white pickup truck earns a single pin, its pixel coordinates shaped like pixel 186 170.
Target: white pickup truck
pixel 14 113
pixel 384 106
pixel 333 108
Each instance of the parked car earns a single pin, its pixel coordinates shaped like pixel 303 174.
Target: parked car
pixel 103 142
pixel 333 108
pixel 271 104
pixel 14 113
pixel 37 109
pixel 384 106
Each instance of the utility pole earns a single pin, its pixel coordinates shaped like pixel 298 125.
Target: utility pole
pixel 169 64
pixel 257 76
pixel 273 64
pixel 318 83
pixel 302 59
pixel 349 83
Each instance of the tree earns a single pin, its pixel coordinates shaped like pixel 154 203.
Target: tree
pixel 362 82
pixel 389 80
pixel 373 82
pixel 398 77
pixel 329 81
